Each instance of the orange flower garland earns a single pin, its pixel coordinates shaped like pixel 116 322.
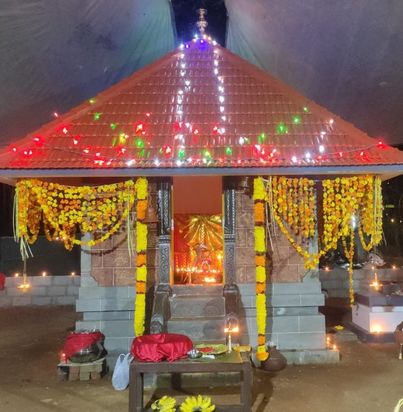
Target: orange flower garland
pixel 98 210
pixel 141 257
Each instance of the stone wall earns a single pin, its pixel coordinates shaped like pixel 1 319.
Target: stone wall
pixel 335 282
pixel 288 265
pixel 112 265
pixel 47 290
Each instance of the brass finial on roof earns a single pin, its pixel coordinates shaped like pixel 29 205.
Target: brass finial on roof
pixel 202 23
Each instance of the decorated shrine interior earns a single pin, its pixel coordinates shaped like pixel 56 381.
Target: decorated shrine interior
pixel 198 232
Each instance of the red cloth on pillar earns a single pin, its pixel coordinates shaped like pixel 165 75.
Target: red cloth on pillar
pixel 158 347
pixel 76 341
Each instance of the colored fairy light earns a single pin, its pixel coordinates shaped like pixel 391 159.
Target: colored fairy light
pixel 296 119
pixel 139 143
pixel 65 130
pixel 113 126
pixel 97 116
pixel 381 144
pixel 75 140
pixel 321 148
pixel 340 154
pixel 92 100
pixel 139 127
pixel 157 162
pixel 181 46
pixel 261 138
pixel 181 153
pixel 130 162
pixel 228 151
pixel 281 128
pixel 55 114
pixel 243 140
pixel 86 150
pixel 307 155
pixel 206 154
pixel 14 149
pixel 294 159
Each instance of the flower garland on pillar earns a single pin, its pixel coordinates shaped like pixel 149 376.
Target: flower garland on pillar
pixel 259 196
pixel 141 257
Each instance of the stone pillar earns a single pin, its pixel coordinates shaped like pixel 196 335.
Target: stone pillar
pixel 229 235
pixel 164 233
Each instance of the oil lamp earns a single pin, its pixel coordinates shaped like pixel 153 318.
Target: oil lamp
pixel 375 284
pixel 229 330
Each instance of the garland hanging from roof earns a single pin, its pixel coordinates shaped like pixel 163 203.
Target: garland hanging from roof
pixel 65 210
pixel 98 210
pixel 347 202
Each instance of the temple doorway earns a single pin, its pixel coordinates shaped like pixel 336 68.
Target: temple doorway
pixel 198 230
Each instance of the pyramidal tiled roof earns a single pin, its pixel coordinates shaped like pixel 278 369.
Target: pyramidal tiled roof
pixel 200 107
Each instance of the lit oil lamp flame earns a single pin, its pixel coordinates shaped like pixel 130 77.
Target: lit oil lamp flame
pixel 375 284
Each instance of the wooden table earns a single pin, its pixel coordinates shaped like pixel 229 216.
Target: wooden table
pixel 232 362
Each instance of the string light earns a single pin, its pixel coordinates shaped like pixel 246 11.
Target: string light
pixel 252 148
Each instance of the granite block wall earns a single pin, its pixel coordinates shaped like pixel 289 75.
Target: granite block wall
pixel 48 290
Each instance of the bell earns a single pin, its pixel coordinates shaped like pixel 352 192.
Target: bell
pixel 151 215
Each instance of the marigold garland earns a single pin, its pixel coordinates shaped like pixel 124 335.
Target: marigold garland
pixel 98 210
pixel 292 204
pixel 141 257
pixel 64 210
pixel 259 196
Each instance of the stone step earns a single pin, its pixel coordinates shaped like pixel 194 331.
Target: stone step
pixel 199 330
pixel 185 306
pixel 197 290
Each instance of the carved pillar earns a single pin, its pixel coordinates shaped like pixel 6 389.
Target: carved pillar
pixel 164 233
pixel 229 235
pixel 231 290
pixel 162 291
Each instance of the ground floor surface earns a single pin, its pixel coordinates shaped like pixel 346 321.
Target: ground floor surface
pixel 369 377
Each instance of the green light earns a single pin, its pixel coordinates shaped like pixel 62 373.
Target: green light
pixel 306 110
pixel 122 138
pixel 281 128
pixel 97 116
pixel 207 154
pixel 181 154
pixel 261 138
pixel 296 119
pixel 92 101
pixel 142 153
pixel 228 151
pixel 139 143
pixel 113 126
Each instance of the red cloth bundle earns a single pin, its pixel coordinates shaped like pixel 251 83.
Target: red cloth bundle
pixel 77 341
pixel 2 281
pixel 158 347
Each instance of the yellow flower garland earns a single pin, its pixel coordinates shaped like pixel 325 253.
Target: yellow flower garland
pixel 141 257
pixel 259 196
pixel 292 204
pixel 98 210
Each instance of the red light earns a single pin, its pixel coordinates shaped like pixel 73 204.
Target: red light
pixel 361 154
pixel 139 127
pixel 65 130
pixel 148 114
pixel 340 154
pixel 121 150
pixel 196 131
pixel 14 149
pixel 98 154
pixel 28 152
pixel 86 150
pixel 215 128
pixel 76 140
pixel 63 357
pixel 381 144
